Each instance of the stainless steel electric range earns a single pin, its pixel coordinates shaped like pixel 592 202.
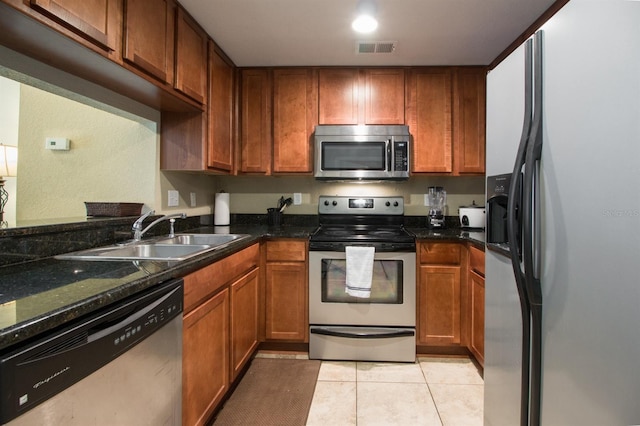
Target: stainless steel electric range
pixel 380 327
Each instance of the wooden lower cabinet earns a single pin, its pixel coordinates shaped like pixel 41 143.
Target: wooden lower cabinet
pixel 476 296
pixel 205 359
pixel 244 321
pixel 286 293
pixel 286 300
pixel 476 343
pixel 439 305
pixel 451 298
pixel 220 330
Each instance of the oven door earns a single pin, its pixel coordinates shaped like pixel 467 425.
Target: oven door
pixel 393 291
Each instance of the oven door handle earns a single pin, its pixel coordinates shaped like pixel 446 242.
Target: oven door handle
pixel 368 334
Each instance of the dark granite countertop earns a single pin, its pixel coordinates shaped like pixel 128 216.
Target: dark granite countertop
pixel 41 295
pixel 475 236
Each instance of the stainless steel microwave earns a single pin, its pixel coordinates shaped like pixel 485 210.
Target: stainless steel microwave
pixel 371 152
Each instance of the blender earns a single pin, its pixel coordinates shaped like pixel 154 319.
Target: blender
pixel 437 200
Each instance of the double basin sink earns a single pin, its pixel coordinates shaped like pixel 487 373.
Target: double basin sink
pixel 168 249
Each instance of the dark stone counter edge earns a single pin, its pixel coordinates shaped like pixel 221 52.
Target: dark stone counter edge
pixel 36 327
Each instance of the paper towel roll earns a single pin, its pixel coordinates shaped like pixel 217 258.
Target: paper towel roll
pixel 221 209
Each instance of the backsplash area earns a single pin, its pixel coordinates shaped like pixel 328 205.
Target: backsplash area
pixel 253 195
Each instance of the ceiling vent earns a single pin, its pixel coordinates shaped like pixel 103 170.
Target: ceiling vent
pixel 376 46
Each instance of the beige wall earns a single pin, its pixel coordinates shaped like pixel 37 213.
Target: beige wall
pixel 113 158
pixel 256 194
pixel 9 109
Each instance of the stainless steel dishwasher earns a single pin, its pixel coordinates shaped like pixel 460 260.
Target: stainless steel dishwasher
pixel 119 366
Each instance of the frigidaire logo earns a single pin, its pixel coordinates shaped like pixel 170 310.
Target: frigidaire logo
pixel 51 377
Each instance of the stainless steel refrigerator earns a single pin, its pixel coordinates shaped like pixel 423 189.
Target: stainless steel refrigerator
pixel 562 318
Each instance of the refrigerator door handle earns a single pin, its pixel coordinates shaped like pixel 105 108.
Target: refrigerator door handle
pixel 515 232
pixel 531 250
pixel 531 185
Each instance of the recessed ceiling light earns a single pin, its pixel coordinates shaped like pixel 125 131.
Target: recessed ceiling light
pixel 365 21
pixel 364 24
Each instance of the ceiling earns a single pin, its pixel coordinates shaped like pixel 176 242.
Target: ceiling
pixel 318 32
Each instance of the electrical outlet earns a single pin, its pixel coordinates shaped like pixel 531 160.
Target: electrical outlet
pixel 193 199
pixel 173 199
pixel 426 199
pixel 297 198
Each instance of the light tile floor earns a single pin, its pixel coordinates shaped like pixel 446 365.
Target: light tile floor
pixel 432 391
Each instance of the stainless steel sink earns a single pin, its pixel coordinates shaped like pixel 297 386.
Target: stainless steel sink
pixel 207 239
pixel 180 247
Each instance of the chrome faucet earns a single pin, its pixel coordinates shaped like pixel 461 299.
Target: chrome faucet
pixel 138 232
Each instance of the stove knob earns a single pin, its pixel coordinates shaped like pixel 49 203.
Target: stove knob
pixel 326 203
pixel 335 203
pixel 387 204
pixel 395 204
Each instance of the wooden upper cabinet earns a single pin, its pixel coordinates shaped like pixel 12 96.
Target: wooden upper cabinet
pixel 338 91
pixel 99 21
pixel 295 115
pixel 221 81
pixel 384 96
pixel 429 119
pixel 149 36
pixel 190 57
pixel 361 96
pixel 255 141
pixel 469 120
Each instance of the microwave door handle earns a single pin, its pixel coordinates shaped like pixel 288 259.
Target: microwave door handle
pixel 389 155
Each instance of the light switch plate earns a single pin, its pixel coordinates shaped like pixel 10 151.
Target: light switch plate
pixel 173 199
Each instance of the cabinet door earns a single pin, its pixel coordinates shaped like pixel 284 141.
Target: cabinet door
pixel 244 321
pixel 477 316
pixel 205 362
pixel 429 118
pixel 469 120
pixel 439 305
pixel 191 58
pixel 295 115
pixel 338 96
pixel 255 143
pixel 286 301
pixel 97 20
pixel 220 152
pixel 148 36
pixel 384 96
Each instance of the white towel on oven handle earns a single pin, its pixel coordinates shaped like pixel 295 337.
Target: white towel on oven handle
pixel 359 270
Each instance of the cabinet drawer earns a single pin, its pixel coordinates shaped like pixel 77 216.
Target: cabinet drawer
pixel 200 284
pixel 476 260
pixel 287 250
pixel 440 253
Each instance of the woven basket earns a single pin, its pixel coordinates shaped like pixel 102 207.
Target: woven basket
pixel 113 209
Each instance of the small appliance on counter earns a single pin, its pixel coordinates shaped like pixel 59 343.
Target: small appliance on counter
pixel 472 216
pixel 437 200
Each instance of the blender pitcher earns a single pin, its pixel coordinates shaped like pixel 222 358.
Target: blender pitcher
pixel 437 199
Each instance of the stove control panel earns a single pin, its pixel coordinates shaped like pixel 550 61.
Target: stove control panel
pixel 360 205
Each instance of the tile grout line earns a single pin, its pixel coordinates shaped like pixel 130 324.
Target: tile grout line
pixel 424 373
